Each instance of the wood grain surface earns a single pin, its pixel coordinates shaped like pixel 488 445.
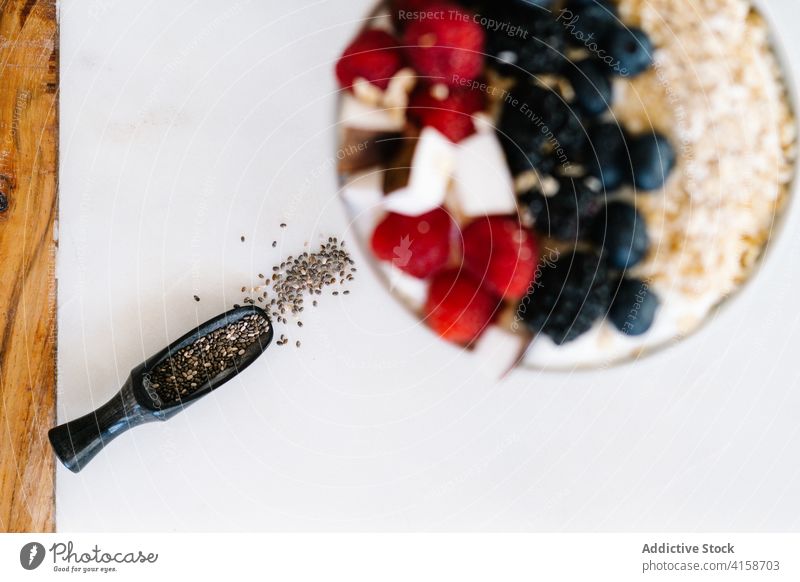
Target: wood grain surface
pixel 28 180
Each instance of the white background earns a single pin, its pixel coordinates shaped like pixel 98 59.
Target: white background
pixel 185 125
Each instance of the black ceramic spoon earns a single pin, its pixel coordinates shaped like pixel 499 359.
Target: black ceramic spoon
pixel 77 442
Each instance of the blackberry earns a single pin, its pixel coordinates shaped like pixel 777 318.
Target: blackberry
pixel 544 164
pixel 568 132
pixel 524 154
pixel 476 5
pixel 549 165
pixel 531 43
pixel 536 124
pixel 490 7
pixel 568 297
pixel 567 215
pixel 520 129
pixel 634 307
pixel 522 141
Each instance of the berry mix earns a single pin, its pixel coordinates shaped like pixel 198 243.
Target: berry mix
pixel 539 74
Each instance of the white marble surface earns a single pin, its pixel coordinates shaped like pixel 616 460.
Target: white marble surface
pixel 185 125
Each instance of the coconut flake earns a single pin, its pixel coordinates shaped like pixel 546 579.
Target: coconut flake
pixel 431 170
pixel 482 181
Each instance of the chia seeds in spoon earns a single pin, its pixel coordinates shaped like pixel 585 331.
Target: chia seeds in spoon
pixel 193 366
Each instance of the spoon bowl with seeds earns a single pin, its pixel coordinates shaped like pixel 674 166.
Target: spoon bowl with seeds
pixel 164 384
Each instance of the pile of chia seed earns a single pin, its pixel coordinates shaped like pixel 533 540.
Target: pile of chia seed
pixel 307 274
pixel 191 367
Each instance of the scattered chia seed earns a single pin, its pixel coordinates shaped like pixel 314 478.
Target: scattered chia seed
pixel 180 375
pixel 295 277
pixel 274 244
pixel 297 343
pixel 242 238
pixel 196 298
pixel 283 225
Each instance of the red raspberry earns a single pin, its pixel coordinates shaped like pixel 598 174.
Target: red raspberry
pixel 418 245
pixel 445 45
pixel 452 116
pixel 501 253
pixel 373 55
pixel 458 308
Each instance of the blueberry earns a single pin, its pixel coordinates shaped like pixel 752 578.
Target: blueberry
pixel 631 48
pixel 622 232
pixel 589 80
pixel 652 160
pixel 586 23
pixel 607 155
pixel 634 307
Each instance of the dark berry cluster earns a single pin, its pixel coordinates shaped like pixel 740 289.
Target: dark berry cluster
pixel 556 125
pixel 569 297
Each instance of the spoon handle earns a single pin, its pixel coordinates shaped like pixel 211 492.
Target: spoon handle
pixel 78 441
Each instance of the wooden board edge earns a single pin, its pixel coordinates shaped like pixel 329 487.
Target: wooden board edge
pixel 28 182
